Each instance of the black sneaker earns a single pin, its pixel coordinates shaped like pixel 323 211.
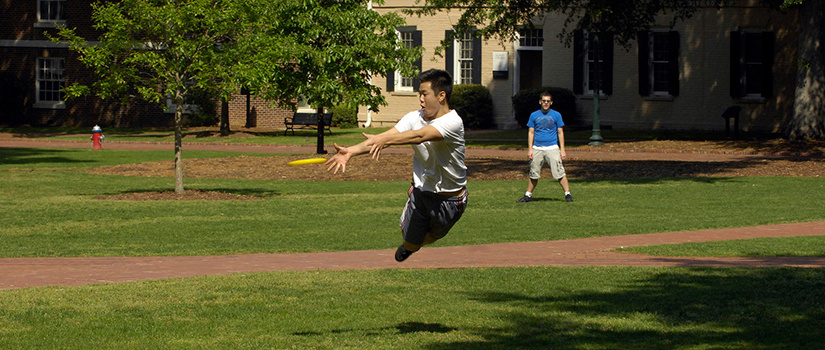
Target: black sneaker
pixel 402 253
pixel 568 198
pixel 525 199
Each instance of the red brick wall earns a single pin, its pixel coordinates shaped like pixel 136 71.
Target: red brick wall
pixel 261 113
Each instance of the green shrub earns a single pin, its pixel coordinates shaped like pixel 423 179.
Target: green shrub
pixel 12 98
pixel 526 101
pixel 345 117
pixel 474 104
pixel 206 114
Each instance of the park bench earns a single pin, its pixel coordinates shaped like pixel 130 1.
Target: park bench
pixel 306 119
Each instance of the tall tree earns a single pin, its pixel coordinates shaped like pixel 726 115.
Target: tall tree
pixel 808 120
pixel 165 49
pixel 158 50
pixel 333 48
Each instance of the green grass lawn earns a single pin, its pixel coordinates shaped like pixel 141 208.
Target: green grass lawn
pixel 48 209
pixel 757 247
pixel 54 213
pixel 490 308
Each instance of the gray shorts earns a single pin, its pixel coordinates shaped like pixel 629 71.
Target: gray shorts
pixel 428 212
pixel 553 159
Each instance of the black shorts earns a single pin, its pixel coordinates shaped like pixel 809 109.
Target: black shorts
pixel 428 212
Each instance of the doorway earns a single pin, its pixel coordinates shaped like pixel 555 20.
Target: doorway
pixel 530 62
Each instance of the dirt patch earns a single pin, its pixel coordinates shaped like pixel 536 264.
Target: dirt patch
pixel 397 167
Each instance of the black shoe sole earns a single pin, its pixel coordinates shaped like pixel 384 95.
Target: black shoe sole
pixel 402 253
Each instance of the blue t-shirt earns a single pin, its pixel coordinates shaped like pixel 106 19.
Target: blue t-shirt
pixel 546 127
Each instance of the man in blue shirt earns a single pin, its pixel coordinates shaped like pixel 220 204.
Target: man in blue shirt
pixel 545 142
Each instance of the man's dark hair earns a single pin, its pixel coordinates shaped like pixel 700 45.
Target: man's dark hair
pixel 548 94
pixel 439 80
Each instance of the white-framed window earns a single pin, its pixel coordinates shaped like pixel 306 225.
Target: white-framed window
pixel 51 12
pixel 531 38
pixel 51 80
pixel 464 59
pixel 410 38
pixel 590 71
pixel 586 55
pixel 752 63
pixel 659 63
pixel 406 38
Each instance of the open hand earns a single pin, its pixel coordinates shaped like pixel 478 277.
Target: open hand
pixel 339 160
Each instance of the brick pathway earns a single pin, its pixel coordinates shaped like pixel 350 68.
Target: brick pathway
pixel 16 273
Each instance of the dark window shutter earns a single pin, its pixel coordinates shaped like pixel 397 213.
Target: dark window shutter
pixel 768 40
pixel 476 60
pixel 606 44
pixel 417 41
pixel 737 88
pixel 449 55
pixel 578 62
pixel 391 80
pixel 644 63
pixel 673 63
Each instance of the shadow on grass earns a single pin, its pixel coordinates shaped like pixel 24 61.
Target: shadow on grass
pixel 402 328
pixel 198 192
pixel 29 156
pixel 694 308
pixel 627 170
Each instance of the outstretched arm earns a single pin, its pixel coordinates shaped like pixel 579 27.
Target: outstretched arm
pixel 343 155
pixel 412 137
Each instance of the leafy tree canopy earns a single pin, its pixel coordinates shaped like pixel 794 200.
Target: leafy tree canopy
pixel 324 51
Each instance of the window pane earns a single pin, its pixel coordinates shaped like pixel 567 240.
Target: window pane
pixel 50 79
pixel 753 79
pixel 465 59
pixel 753 47
pixel 753 63
pixel 661 46
pixel 466 72
pixel 660 77
pixel 407 41
pixel 531 37
pixel 466 47
pixel 52 10
pixel 660 55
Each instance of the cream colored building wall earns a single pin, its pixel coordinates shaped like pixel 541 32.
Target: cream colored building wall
pixel 704 61
pixel 704 73
pixel 432 29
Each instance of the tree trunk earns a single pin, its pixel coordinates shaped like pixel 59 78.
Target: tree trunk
pixel 320 148
pixel 808 121
pixel 178 144
pixel 225 117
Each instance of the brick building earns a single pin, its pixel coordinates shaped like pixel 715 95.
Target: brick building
pixel 33 70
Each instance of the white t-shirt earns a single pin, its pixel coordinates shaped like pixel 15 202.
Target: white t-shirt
pixel 438 166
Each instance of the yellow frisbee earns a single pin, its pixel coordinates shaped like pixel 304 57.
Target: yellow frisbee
pixel 307 161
